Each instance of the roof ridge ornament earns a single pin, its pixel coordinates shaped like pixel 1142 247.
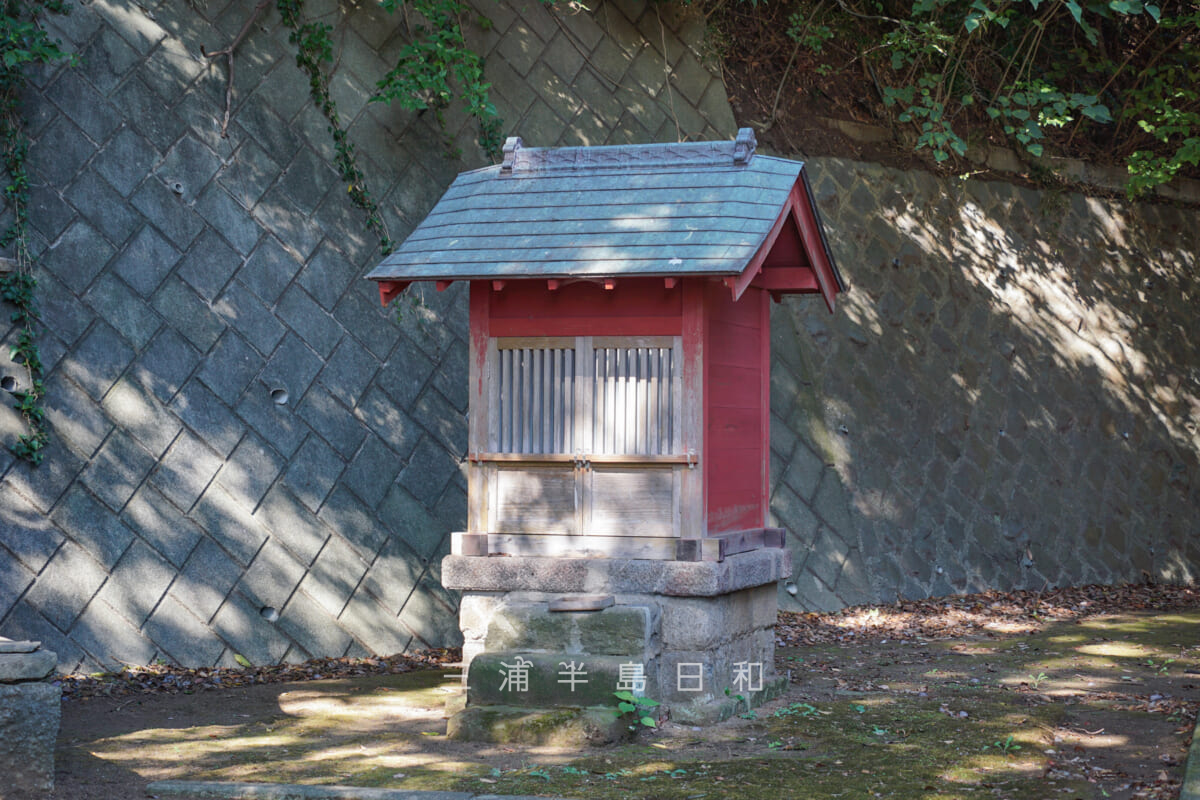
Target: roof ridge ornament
pixel 511 145
pixel 743 146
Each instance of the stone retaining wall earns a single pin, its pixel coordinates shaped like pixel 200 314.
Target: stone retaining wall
pixel 1008 397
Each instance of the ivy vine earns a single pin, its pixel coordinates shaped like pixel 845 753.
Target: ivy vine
pixel 314 54
pixel 432 70
pixel 23 43
pixel 438 66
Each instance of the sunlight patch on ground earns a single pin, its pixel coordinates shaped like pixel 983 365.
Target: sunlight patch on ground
pixel 1115 650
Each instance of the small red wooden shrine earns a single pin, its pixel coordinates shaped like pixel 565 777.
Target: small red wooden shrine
pixel 620 341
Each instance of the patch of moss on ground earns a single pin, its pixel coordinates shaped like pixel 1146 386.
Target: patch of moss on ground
pixel 872 746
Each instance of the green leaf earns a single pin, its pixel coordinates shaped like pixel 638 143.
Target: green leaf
pixel 649 722
pixel 1035 149
pixel 1153 11
pixel 1076 10
pixel 241 659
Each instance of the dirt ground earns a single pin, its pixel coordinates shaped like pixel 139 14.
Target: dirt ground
pixel 1024 705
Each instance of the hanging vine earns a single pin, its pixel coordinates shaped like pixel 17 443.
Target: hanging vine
pixel 314 52
pixel 23 43
pixel 438 66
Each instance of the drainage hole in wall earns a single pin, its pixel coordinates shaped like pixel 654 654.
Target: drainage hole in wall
pixel 790 586
pixel 177 187
pixel 8 383
pixel 269 613
pixel 280 396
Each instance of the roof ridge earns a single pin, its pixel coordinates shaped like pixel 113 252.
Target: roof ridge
pixel 519 159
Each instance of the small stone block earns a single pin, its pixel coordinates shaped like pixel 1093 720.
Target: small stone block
pixel 18 667
pixel 10 646
pixel 468 544
pixel 582 602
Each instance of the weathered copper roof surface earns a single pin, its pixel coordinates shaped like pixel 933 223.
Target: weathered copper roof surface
pixel 702 208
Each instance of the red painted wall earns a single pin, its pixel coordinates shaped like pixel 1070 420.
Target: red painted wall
pixel 736 411
pixel 636 306
pixel 736 367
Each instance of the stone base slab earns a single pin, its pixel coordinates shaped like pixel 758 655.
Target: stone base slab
pixel 616 575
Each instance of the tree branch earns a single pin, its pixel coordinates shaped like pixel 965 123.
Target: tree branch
pixel 228 53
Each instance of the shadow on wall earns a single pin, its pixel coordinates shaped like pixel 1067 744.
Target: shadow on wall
pixel 194 558
pixel 249 456
pixel 1008 397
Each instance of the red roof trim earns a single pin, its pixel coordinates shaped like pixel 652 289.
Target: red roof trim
pixel 817 275
pixel 741 282
pixel 390 290
pixel 814 244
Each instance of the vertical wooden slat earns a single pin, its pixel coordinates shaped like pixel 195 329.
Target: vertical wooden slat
pixel 643 401
pixel 569 401
pixel 677 399
pixel 525 393
pixel 631 394
pixel 538 402
pixel 652 402
pixel 610 400
pixel 622 382
pixel 664 404
pixel 506 401
pixel 547 401
pixel 668 404
pixel 556 360
pixel 585 397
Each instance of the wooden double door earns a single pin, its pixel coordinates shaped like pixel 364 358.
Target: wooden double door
pixel 583 439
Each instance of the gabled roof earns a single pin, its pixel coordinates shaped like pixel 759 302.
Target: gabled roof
pixel 698 208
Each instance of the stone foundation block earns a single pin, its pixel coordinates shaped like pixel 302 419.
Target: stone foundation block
pixel 29 715
pixel 620 630
pixel 549 679
pixel 691 635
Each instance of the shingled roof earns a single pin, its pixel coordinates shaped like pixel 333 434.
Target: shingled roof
pixel 696 208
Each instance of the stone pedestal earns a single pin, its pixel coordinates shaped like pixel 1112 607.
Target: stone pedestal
pixel 692 635
pixel 29 714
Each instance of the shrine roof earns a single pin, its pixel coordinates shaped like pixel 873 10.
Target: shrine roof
pixel 695 208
